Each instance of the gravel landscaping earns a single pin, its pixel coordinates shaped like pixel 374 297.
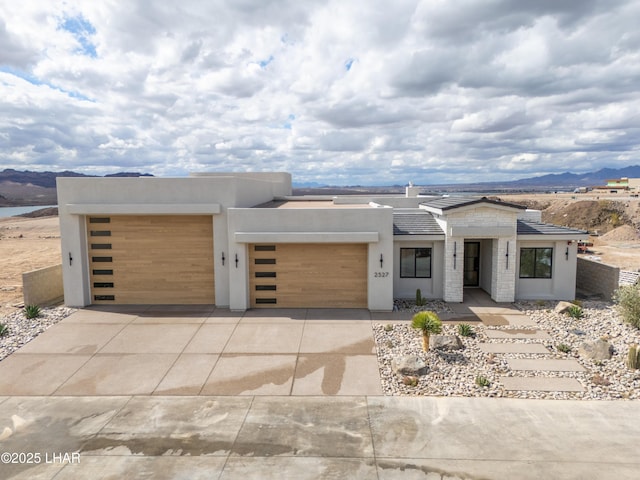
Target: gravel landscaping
pixel 454 373
pixel 22 330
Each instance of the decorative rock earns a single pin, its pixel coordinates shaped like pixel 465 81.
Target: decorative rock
pixel 445 342
pixel 562 307
pixel 596 350
pixel 409 365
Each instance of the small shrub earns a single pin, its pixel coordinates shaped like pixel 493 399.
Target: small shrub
pixel 465 330
pixel 388 327
pixel 482 381
pixel 428 323
pixel 564 348
pixel 575 311
pixel 419 300
pixel 32 311
pixel 628 300
pixel 4 329
pixel 633 358
pixel 410 381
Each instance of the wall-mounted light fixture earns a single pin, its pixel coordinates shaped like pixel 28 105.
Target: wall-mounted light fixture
pixel 70 259
pixel 567 253
pixel 223 259
pixel 381 261
pixel 237 260
pixel 507 255
pixel 455 248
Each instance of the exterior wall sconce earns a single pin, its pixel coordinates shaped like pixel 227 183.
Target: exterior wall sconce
pixel 381 261
pixel 507 255
pixel 223 259
pixel 567 253
pixel 237 260
pixel 455 248
pixel 70 259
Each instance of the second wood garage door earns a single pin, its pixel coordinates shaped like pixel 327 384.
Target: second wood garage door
pixel 163 259
pixel 308 275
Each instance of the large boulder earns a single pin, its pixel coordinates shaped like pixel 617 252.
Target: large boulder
pixel 563 307
pixel 411 365
pixel 596 350
pixel 445 342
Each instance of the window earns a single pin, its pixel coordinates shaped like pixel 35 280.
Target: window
pixel 415 263
pixel 535 262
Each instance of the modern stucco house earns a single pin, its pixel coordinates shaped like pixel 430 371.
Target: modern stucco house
pixel 240 240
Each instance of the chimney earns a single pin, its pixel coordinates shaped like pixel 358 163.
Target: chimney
pixel 411 191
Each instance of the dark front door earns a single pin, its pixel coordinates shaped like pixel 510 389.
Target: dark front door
pixel 471 264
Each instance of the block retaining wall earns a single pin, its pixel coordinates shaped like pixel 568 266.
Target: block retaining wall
pixel 43 286
pixel 596 278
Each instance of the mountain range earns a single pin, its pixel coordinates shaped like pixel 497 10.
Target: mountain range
pixel 38 188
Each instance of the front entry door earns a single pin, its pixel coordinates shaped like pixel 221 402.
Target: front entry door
pixel 471 264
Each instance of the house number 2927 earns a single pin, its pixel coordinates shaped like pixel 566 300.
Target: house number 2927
pixel 380 274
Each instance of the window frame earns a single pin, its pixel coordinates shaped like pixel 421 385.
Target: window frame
pixel 536 262
pixel 415 264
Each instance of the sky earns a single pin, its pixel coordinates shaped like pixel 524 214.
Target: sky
pixel 347 92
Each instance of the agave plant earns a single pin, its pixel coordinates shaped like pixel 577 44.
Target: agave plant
pixel 429 324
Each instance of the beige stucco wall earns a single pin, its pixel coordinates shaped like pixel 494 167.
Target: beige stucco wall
pixel 43 286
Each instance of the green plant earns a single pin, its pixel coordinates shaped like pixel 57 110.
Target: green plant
pixel 633 358
pixel 482 381
pixel 429 324
pixel 32 311
pixel 419 300
pixel 4 329
pixel 564 348
pixel 577 302
pixel 575 311
pixel 465 330
pixel 628 300
pixel 388 327
pixel 410 381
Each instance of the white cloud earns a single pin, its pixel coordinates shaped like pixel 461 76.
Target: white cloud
pixel 336 91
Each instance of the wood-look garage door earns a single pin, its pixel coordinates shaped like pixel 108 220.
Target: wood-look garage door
pixel 151 259
pixel 308 275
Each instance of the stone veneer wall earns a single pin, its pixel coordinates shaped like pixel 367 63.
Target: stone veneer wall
pixel 43 287
pixel 596 278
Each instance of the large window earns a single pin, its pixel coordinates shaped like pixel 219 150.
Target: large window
pixel 415 262
pixel 535 262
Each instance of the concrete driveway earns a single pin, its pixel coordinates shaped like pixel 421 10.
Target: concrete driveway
pixel 201 393
pixel 198 350
pixel 338 437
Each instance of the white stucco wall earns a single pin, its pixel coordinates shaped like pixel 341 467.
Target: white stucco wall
pixel 429 287
pixel 561 285
pixel 159 196
pixel 314 225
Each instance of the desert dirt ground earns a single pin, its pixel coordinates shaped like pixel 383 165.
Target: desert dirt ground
pixel 30 243
pixel 25 244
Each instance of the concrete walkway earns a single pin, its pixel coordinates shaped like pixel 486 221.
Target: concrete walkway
pixel 382 438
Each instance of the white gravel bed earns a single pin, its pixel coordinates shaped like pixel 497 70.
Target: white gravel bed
pixel 455 373
pixel 22 330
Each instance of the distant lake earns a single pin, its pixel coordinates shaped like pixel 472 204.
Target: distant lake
pixel 13 211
